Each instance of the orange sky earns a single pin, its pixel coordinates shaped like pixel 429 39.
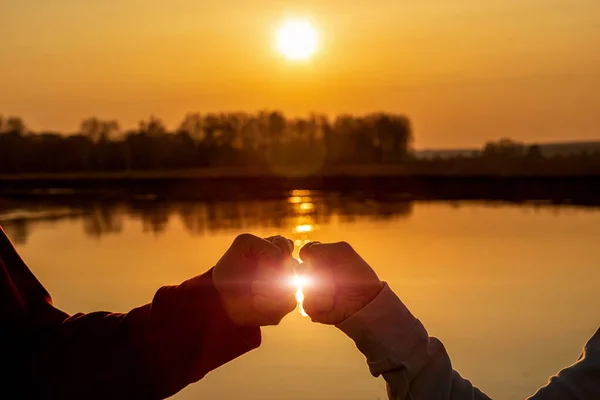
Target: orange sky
pixel 463 71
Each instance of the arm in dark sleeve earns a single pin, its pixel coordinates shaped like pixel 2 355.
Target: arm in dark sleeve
pixel 149 353
pixel 417 367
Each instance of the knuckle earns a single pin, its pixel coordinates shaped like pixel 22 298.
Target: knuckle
pixel 311 248
pixel 309 306
pixel 283 244
pixel 290 244
pixel 304 251
pixel 243 238
pixel 291 305
pixel 345 247
pixel 302 255
pixel 285 308
pixel 274 319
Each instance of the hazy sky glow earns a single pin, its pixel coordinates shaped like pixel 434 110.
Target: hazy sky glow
pixel 463 71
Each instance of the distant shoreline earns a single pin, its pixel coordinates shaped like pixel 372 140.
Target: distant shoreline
pixel 224 184
pixel 292 173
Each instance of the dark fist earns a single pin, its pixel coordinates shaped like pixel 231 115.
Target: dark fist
pixel 253 278
pixel 339 284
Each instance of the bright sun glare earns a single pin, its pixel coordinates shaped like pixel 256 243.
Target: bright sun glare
pixel 299 282
pixel 297 39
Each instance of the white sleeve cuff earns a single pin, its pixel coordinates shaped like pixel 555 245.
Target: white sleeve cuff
pixel 385 332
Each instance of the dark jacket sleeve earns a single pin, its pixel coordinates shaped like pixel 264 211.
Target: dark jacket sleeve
pixel 151 352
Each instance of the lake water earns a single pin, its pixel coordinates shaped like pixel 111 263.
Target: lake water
pixel 512 290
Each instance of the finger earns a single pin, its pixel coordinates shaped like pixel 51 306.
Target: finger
pixel 268 268
pixel 287 248
pixel 286 245
pixel 261 252
pixel 314 305
pixel 319 281
pixel 258 248
pixel 270 282
pixel 300 267
pixel 267 273
pixel 273 310
pixel 290 268
pixel 271 288
pixel 307 251
pixel 331 251
pixel 319 290
pixel 294 264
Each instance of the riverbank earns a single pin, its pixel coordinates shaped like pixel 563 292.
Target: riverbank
pixel 255 184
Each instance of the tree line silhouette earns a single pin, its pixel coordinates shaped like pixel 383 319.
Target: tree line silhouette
pixel 509 157
pixel 267 141
pixel 223 139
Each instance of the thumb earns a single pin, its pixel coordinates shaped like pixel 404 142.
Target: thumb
pixel 320 289
pixel 309 251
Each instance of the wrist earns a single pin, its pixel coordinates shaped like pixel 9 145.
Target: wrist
pixel 384 331
pixel 376 289
pixel 364 300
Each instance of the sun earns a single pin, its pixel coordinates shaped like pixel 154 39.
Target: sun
pixel 297 39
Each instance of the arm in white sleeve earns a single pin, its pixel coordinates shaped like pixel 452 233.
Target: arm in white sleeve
pixel 417 367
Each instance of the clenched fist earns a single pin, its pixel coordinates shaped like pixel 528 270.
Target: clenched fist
pixel 341 282
pixel 252 279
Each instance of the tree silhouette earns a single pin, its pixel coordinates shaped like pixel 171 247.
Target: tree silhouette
pixel 98 130
pixel 266 139
pixel 192 124
pixel 15 126
pixel 504 148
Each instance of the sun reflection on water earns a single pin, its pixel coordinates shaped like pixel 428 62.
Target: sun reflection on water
pixel 303 228
pixel 303 208
pixel 307 207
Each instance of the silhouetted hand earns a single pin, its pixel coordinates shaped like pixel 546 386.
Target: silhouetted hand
pixel 253 277
pixel 339 283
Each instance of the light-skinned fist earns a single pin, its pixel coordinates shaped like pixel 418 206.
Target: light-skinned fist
pixel 339 284
pixel 253 277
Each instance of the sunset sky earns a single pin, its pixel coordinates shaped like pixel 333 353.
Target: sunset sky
pixel 463 71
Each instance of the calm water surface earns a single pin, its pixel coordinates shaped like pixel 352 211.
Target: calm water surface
pixel 512 290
